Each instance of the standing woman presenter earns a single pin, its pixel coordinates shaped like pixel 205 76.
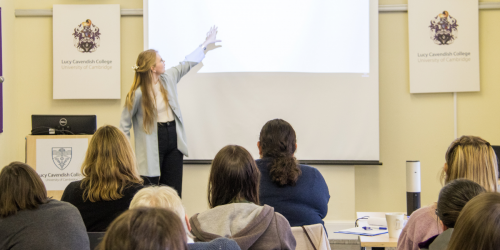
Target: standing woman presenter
pixel 152 107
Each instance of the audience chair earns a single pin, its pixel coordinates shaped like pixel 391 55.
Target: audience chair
pixel 311 237
pixel 95 238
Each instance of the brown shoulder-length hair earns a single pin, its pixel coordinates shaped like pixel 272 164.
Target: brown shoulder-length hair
pixel 478 225
pixel 234 177
pixel 472 158
pixel 20 188
pixel 143 78
pixel 109 166
pixel 278 142
pixel 145 228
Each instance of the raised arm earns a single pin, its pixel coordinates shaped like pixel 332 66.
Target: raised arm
pixel 191 60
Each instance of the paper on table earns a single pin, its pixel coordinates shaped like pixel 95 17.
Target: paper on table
pixel 377 221
pixel 361 231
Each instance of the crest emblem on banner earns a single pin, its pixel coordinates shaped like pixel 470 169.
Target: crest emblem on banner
pixel 444 29
pixel 87 37
pixel 61 156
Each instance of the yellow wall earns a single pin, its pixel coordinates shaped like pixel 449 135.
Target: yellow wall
pixel 421 126
pixel 8 142
pixel 412 127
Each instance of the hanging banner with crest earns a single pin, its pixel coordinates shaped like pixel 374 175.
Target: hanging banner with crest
pixel 444 45
pixel 58 161
pixel 86 51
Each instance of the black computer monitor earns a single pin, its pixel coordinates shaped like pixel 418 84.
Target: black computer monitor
pixel 63 124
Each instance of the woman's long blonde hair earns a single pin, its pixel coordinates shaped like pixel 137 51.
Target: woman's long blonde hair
pixel 109 166
pixel 472 158
pixel 143 78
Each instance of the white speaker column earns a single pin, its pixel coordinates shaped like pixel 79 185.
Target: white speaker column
pixel 413 188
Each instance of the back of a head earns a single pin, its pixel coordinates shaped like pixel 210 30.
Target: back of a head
pixel 453 197
pixel 234 176
pixel 160 197
pixel 278 142
pixel 145 229
pixel 478 226
pixel 109 165
pixel 470 157
pixel 20 188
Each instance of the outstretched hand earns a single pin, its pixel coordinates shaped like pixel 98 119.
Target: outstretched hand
pixel 211 37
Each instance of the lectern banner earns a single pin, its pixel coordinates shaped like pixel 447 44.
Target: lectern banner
pixel 444 45
pixel 58 161
pixel 86 51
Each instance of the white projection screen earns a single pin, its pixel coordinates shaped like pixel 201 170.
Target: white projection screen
pixel 312 63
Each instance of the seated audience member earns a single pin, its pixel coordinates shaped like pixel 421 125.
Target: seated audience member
pixel 296 191
pixel 167 197
pixel 478 225
pixel 468 157
pixel 31 220
pixel 452 200
pixel 110 179
pixel 145 228
pixel 233 196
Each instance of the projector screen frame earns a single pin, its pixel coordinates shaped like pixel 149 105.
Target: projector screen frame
pixel 305 162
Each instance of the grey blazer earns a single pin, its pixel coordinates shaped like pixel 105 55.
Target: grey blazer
pixel 146 145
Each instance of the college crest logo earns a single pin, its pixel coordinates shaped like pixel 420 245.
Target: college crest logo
pixel 87 37
pixel 444 29
pixel 62 157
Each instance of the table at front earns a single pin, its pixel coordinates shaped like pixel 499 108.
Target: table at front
pixel 377 241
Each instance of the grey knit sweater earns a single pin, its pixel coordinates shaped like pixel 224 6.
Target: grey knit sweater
pixel 54 225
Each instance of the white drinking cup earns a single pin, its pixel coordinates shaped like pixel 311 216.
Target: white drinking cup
pixel 394 224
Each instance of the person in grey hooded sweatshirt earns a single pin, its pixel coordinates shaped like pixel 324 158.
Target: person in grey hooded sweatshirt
pixel 451 201
pixel 233 196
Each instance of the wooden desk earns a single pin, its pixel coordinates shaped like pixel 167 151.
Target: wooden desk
pixel 378 241
pixel 381 241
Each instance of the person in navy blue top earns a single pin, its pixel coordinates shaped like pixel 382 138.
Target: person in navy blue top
pixel 296 191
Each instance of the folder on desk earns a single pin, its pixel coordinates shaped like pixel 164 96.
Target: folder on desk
pixel 361 231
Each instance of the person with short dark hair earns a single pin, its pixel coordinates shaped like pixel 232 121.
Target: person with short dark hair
pixel 452 199
pixel 478 225
pixel 110 179
pixel 145 228
pixel 296 191
pixel 233 196
pixel 31 220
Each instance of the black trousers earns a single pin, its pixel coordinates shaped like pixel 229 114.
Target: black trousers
pixel 171 159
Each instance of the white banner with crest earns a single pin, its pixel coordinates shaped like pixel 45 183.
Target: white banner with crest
pixel 86 51
pixel 444 45
pixel 58 161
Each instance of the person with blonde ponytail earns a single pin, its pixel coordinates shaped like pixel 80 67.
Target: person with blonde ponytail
pixel 468 157
pixel 152 107
pixel 110 179
pixel 298 192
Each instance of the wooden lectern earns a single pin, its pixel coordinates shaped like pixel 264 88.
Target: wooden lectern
pixel 31 154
